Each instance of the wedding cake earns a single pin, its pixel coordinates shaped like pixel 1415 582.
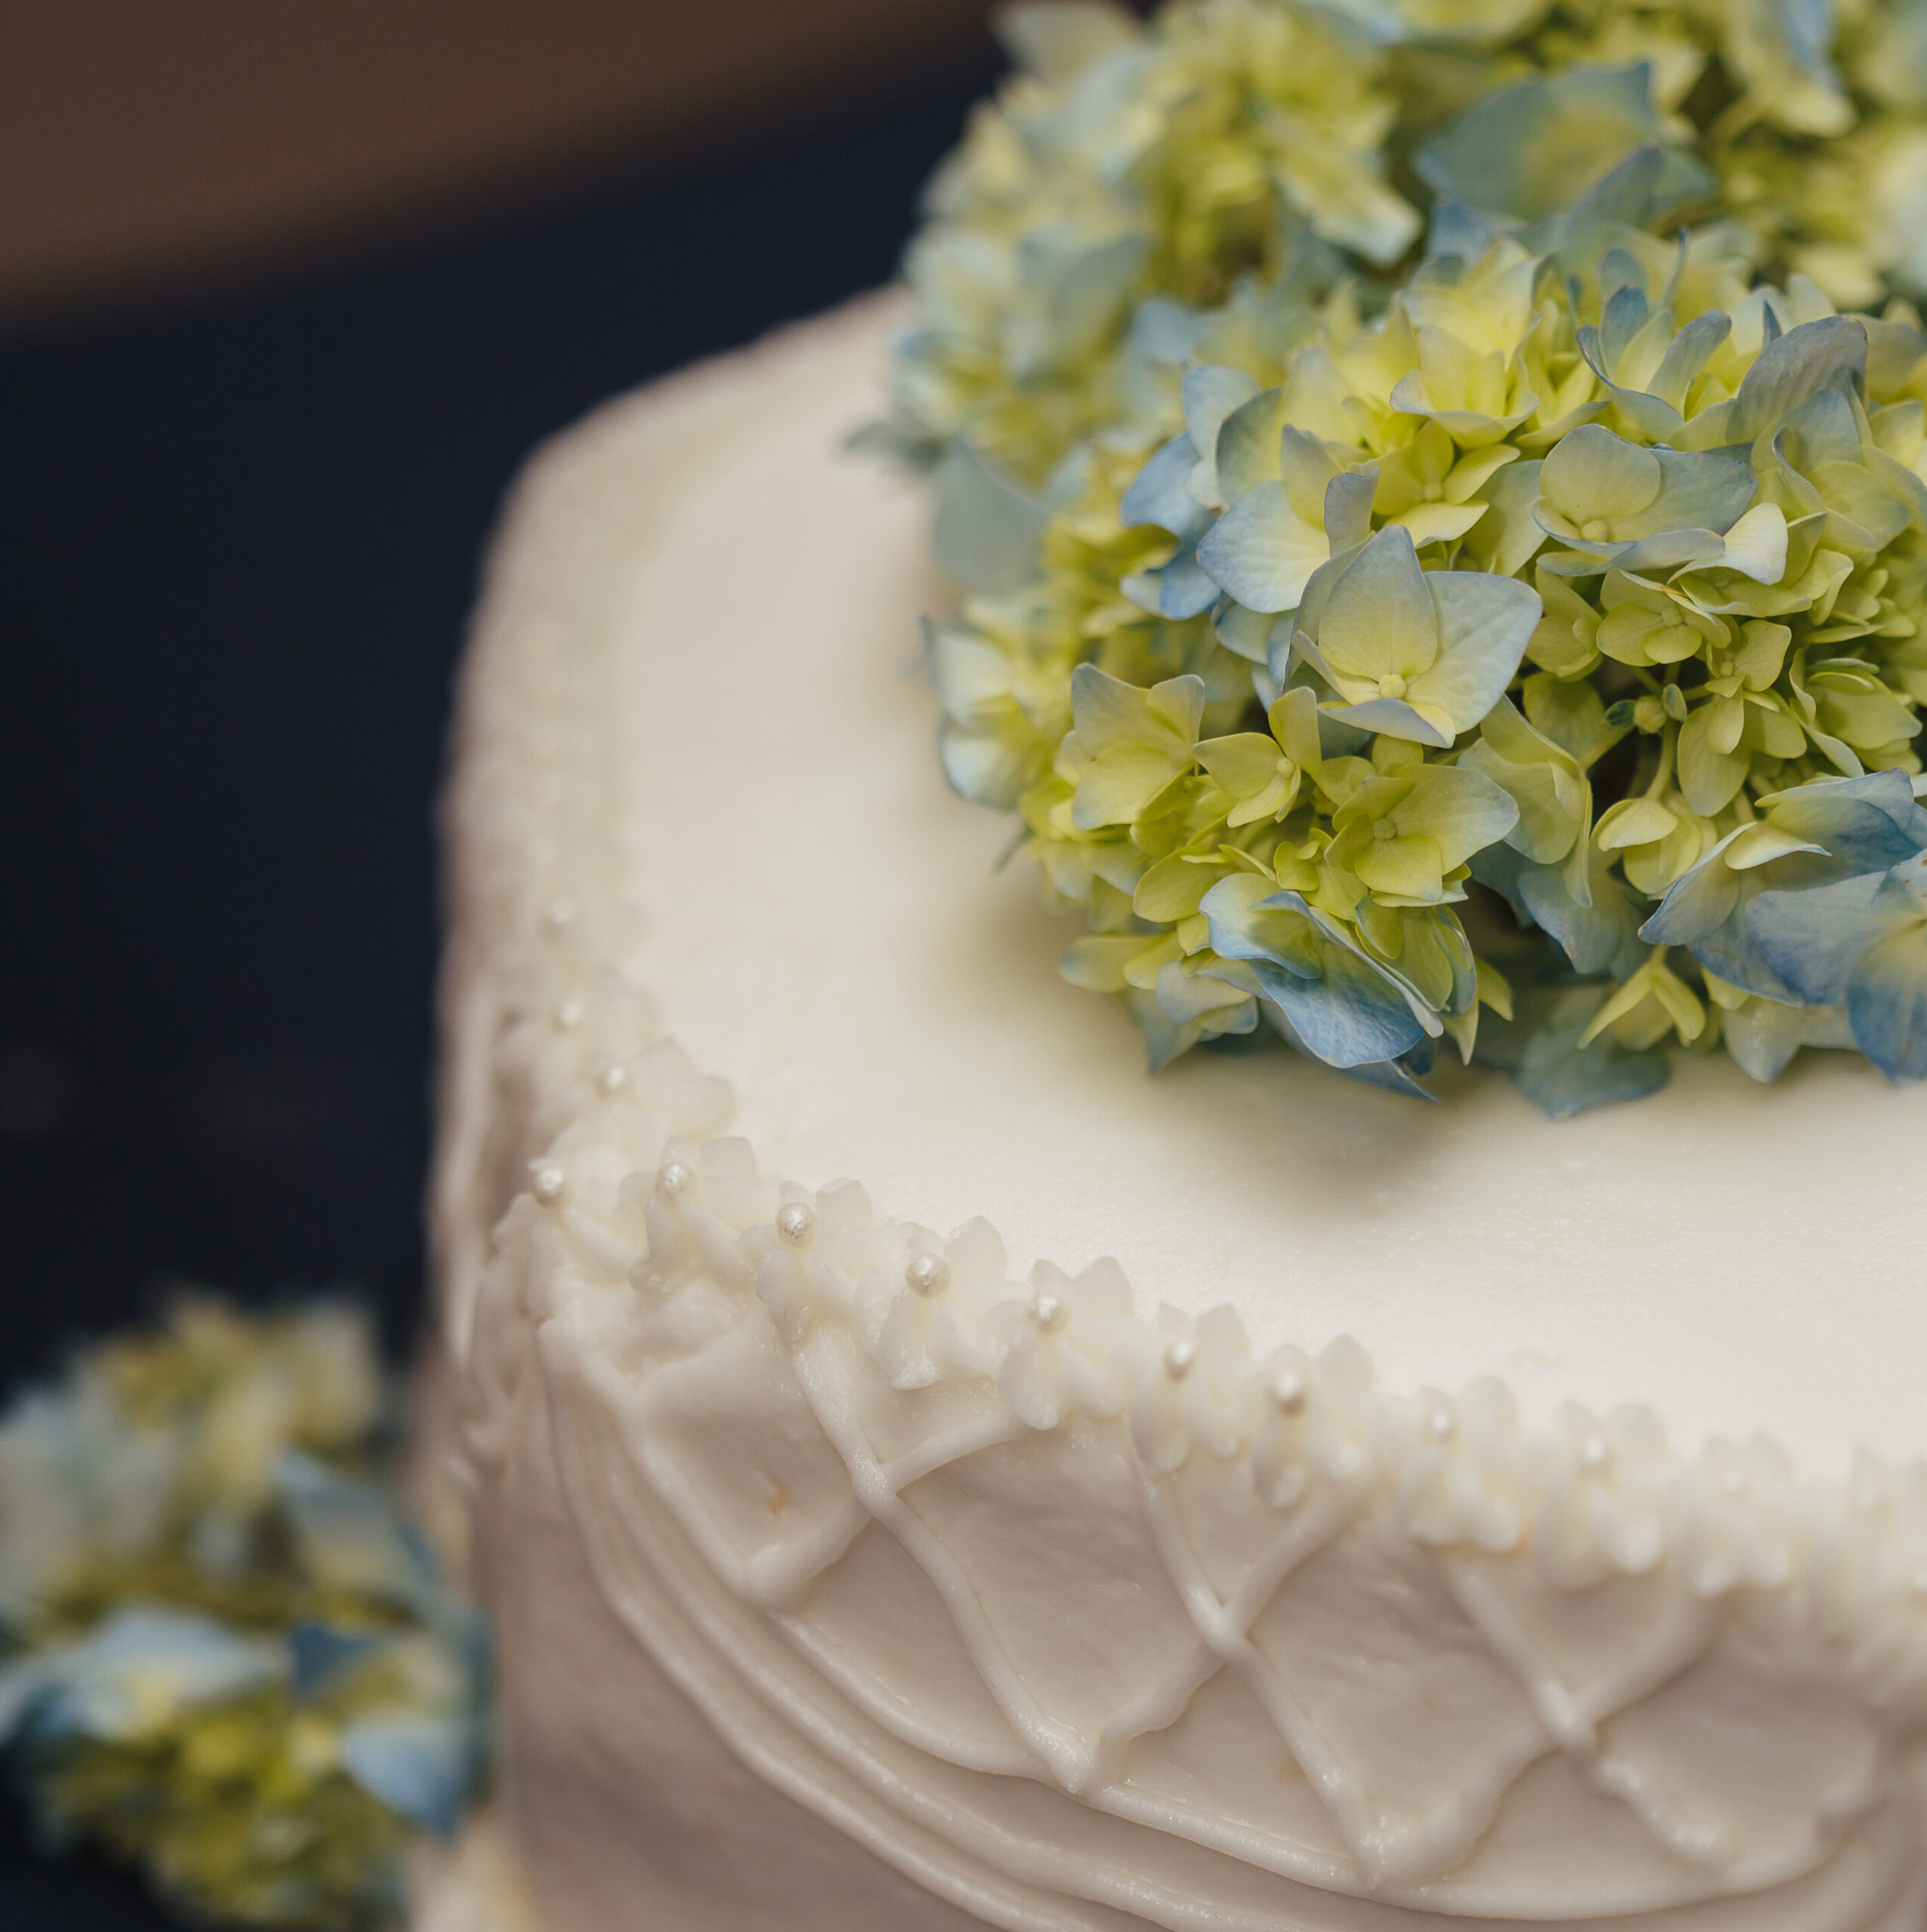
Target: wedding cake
pixel 926 1472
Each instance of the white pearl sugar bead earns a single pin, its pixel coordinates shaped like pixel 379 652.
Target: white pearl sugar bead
pixel 1288 1390
pixel 568 1015
pixel 927 1275
pixel 612 1079
pixel 1440 1426
pixel 559 913
pixel 673 1180
pixel 795 1224
pixel 1046 1310
pixel 548 1185
pixel 1595 1453
pixel 1177 1360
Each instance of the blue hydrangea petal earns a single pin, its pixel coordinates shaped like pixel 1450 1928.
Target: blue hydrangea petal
pixel 1393 1075
pixel 1698 491
pixel 1696 903
pixel 1348 508
pixel 1886 1005
pixel 1539 1047
pixel 1351 1016
pixel 353 1536
pixel 1211 393
pixel 987 529
pixel 1240 932
pixel 1602 936
pixel 1347 1009
pixel 106 1685
pixel 1185 587
pixel 1815 940
pixel 419 1767
pixel 1829 354
pixel 1158 496
pixel 1564 1079
pixel 1262 552
pixel 1392 718
pixel 1870 823
pixel 321 1656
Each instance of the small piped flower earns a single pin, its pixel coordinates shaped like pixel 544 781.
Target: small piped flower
pixel 1740 1522
pixel 796 1289
pixel 1312 1422
pixel 803 1257
pixel 918 1310
pixel 1197 1389
pixel 685 1232
pixel 1060 1350
pixel 1463 1476
pixel 1603 1510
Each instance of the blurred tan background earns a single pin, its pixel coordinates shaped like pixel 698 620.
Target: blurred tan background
pixel 149 145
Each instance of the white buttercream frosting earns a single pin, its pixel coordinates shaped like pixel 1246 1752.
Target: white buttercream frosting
pixel 1080 1569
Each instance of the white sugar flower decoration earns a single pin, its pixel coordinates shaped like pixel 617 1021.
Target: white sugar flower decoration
pixel 1740 1524
pixel 917 1310
pixel 1198 1389
pixel 1063 1351
pixel 1313 1420
pixel 680 1203
pixel 806 1258
pixel 1461 1480
pixel 1603 1511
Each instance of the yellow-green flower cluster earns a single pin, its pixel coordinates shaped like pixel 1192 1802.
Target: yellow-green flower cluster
pixel 227 1654
pixel 1561 578
pixel 1123 161
pixel 1228 139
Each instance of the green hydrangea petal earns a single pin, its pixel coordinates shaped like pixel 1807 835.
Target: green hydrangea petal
pixel 1484 625
pixel 1534 149
pixel 1378 620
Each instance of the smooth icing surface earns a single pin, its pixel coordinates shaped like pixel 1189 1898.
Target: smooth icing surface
pixel 1004 1602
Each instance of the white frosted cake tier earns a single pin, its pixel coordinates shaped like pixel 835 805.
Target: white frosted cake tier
pixel 850 1572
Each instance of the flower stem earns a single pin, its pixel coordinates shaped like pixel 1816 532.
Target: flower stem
pixel 1663 775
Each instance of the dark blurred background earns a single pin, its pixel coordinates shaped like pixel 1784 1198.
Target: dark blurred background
pixel 286 293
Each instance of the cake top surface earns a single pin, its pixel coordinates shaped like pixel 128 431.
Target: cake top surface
pixel 827 927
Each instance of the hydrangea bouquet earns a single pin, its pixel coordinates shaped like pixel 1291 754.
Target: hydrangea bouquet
pixel 1541 639
pixel 1233 138
pixel 228 1654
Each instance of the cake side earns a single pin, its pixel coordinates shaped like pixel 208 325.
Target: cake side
pixel 1060 1613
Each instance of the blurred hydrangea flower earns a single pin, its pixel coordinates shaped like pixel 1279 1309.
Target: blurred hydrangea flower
pixel 229 1655
pixel 1123 161
pixel 1132 174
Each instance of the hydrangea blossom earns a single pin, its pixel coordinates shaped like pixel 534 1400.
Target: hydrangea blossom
pixel 1130 173
pixel 1557 586
pixel 228 1654
pixel 1121 161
